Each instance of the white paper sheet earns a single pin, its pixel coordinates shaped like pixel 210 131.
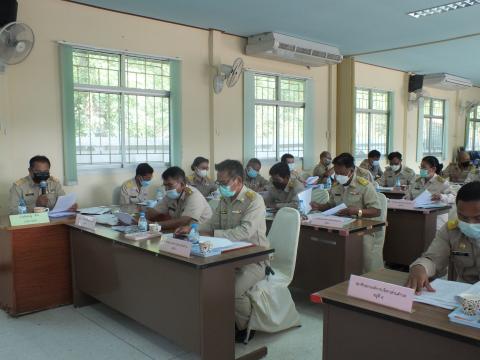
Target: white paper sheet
pixel 334 210
pixel 312 180
pixel 444 295
pixel 220 243
pixel 306 197
pixel 64 203
pixel 96 210
pixel 425 198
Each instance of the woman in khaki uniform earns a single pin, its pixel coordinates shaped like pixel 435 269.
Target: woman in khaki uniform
pixel 199 179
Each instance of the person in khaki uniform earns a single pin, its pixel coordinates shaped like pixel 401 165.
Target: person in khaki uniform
pixel 457 243
pixel 458 172
pixel 29 188
pixel 474 175
pixel 396 172
pixel 363 173
pixel 253 179
pixel 199 179
pixel 324 169
pixel 289 159
pixel 372 164
pixel 283 190
pixel 134 191
pixel 182 203
pixel 360 197
pixel 240 216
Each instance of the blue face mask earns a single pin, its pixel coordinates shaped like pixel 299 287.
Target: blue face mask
pixel 470 230
pixel 145 183
pixel 173 194
pixel 225 191
pixel 252 173
pixel 423 173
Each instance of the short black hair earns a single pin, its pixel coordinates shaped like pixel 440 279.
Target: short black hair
pixel 284 157
pixel 143 169
pixel 345 159
pixel 254 161
pixel 469 192
pixel 38 158
pixel 374 154
pixel 395 155
pixel 433 162
pixel 197 161
pixel 174 172
pixel 281 169
pixel 234 168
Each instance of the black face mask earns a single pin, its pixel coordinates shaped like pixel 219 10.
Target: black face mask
pixel 465 163
pixel 41 176
pixel 278 185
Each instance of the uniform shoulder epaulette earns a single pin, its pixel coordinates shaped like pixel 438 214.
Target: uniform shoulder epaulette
pixel 190 177
pixel 452 224
pixel 250 195
pixel 21 181
pixel 362 181
pixel 129 184
pixel 53 178
pixel 291 184
pixel 441 179
pixel 188 191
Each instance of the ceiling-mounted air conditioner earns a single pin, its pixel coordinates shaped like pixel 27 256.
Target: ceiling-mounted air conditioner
pixel 446 81
pixel 287 48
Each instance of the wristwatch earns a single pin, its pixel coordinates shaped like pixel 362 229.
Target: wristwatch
pixel 360 213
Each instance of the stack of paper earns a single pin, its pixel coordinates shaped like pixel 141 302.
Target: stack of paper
pixel 305 197
pixel 459 317
pixel 424 200
pixel 445 295
pixel 384 188
pixel 63 205
pixel 217 245
pixel 312 180
pixel 97 210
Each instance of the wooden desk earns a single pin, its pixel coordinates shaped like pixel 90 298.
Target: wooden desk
pixel 409 233
pixel 356 329
pixel 326 257
pixel 189 301
pixel 394 194
pixel 35 271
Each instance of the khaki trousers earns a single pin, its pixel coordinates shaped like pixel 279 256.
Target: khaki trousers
pixel 245 278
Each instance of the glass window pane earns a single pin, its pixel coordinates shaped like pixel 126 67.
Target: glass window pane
pixel 436 140
pixel 378 133
pixel 292 90
pixel 426 107
pixel 426 135
pixel 265 87
pixel 471 135
pixel 290 131
pixel 362 99
pixel 147 131
pixel 265 132
pixel 147 74
pixel 97 128
pixel 361 135
pixel 477 112
pixel 379 100
pixel 476 136
pixel 96 68
pixel 437 107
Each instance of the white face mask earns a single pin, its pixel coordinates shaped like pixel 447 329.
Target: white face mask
pixel 395 167
pixel 202 173
pixel 291 166
pixel 376 163
pixel 342 179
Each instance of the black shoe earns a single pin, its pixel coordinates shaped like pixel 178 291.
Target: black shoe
pixel 240 335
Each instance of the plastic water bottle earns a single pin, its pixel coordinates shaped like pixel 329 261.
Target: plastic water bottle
pixel 159 195
pixel 397 183
pixel 194 235
pixel 328 184
pixel 22 206
pixel 142 222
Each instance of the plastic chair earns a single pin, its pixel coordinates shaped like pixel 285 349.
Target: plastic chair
pixel 273 308
pixel 373 243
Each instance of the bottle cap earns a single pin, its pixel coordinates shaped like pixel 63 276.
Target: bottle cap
pixel 194 226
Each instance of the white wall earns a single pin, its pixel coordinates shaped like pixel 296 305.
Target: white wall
pixel 212 126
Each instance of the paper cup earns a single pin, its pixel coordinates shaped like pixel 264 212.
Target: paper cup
pixel 470 304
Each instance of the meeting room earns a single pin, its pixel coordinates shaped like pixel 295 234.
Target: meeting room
pixel 221 180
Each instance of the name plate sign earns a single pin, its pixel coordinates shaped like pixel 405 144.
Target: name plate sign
pixel 382 293
pixel 86 222
pixel 176 246
pixel 29 219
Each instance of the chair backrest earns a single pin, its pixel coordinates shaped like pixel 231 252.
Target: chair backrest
pixel 283 237
pixel 320 196
pixel 383 207
pixel 116 196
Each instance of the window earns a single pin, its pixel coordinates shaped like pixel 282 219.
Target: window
pixel 279 116
pixel 121 108
pixel 433 127
pixel 473 130
pixel 372 117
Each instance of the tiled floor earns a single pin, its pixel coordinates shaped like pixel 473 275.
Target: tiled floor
pixel 99 333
